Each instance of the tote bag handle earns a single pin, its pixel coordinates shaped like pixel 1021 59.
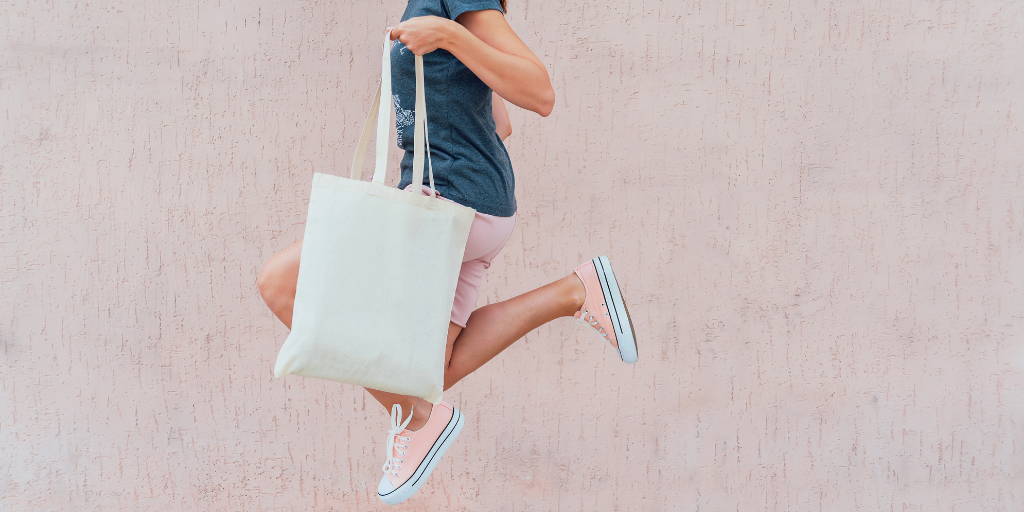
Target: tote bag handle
pixel 421 138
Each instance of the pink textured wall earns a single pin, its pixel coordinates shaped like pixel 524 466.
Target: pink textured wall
pixel 816 207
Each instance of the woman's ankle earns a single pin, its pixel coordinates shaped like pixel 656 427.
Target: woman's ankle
pixel 574 295
pixel 421 410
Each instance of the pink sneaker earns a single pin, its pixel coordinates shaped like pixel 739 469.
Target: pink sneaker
pixel 413 455
pixel 604 309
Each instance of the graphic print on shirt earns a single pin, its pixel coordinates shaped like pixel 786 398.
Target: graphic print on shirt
pixel 403 118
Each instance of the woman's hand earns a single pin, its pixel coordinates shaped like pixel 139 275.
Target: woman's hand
pixel 424 34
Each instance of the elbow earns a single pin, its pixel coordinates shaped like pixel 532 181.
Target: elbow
pixel 546 103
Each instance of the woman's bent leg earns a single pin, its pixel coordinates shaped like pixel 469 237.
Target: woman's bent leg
pixel 277 279
pixel 490 330
pixel 493 328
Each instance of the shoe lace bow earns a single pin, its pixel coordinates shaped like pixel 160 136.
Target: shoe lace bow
pixel 393 463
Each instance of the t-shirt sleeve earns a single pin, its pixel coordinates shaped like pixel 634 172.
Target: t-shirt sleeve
pixel 457 7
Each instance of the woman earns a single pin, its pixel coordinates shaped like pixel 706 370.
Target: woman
pixel 469 51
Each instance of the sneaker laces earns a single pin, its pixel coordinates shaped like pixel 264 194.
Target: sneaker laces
pixel 393 464
pixel 592 322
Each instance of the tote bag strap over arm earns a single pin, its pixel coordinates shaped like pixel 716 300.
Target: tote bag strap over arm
pixel 421 140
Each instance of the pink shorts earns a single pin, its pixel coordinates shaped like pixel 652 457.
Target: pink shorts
pixel 487 237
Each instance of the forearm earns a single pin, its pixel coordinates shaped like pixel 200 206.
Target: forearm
pixel 517 79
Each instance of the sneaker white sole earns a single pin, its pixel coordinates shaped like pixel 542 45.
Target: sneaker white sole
pixel 621 322
pixel 447 437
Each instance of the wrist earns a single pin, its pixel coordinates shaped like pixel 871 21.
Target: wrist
pixel 451 33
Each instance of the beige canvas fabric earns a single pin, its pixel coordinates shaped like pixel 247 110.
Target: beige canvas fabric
pixel 378 270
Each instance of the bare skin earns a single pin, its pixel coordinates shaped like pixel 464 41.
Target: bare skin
pixel 488 46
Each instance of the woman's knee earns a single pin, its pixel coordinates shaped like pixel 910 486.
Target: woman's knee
pixel 276 281
pixel 272 282
pixel 266 281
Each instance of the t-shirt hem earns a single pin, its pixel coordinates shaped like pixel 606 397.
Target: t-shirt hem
pixel 486 209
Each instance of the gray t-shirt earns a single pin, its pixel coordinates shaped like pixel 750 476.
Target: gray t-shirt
pixel 471 165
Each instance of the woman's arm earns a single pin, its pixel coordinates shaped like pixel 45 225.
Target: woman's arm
pixel 502 126
pixel 488 46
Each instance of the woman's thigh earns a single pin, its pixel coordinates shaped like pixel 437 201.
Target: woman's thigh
pixel 277 279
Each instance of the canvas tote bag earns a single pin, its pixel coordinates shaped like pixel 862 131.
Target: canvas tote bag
pixel 378 270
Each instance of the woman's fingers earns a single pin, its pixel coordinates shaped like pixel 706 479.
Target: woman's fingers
pixel 421 35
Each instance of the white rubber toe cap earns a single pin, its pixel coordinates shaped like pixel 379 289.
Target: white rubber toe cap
pixel 384 487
